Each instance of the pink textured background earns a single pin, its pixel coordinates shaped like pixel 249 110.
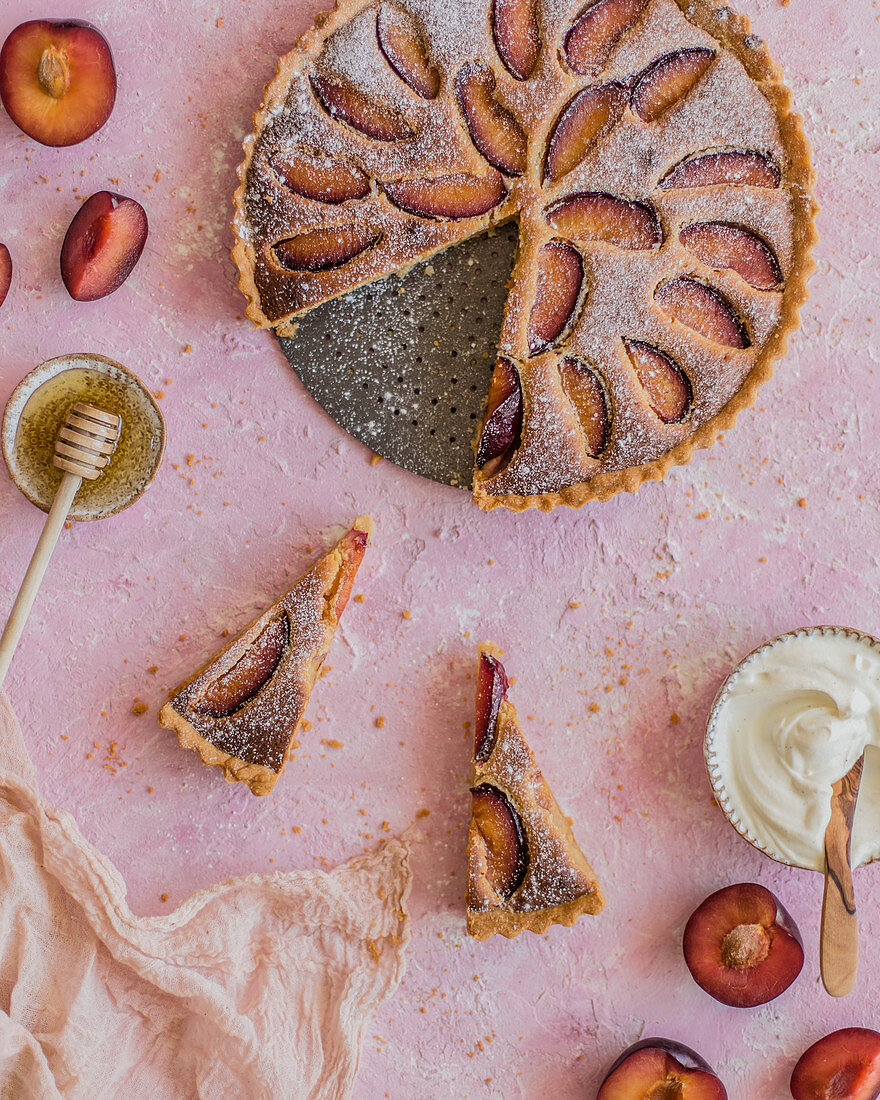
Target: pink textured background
pixel 639 606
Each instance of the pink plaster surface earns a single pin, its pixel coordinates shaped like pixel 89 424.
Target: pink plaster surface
pixel 618 621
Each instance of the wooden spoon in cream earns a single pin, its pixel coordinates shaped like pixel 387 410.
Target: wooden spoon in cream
pixel 839 945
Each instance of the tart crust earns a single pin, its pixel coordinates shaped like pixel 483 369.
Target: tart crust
pixel 558 885
pixel 253 742
pixel 733 33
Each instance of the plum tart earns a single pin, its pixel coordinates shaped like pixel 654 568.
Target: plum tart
pixel 525 869
pixel 661 184
pixel 241 711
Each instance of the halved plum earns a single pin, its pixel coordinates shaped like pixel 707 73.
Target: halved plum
pixel 587 395
pixel 586 118
pixel 448 197
pixel 503 838
pixel 668 80
pixel 319 177
pixel 325 249
pixel 492 685
pixel 732 168
pixel 597 30
pixel 504 413
pixel 742 946
pixel 250 673
pixel 5 272
pixel 517 39
pixel 57 80
pixel 403 44
pixel 720 245
pixel 665 383
pixel 598 216
pixel 103 243
pixel 493 129
pixel 844 1065
pixel 363 113
pixel 661 1069
pixel 702 309
pixel 557 294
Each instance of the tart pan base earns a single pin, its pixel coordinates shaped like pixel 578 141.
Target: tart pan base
pixel 404 364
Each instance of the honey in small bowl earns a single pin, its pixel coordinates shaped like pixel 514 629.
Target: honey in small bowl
pixel 37 409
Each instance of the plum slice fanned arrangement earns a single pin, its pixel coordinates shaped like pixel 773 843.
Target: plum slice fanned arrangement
pixel 660 181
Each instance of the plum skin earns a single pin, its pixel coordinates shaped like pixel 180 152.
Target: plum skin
pixel 91 233
pixel 747 166
pixel 747 951
pixel 5 272
pixel 90 102
pixel 513 846
pixel 687 1059
pixel 842 1080
pixel 502 428
pixel 696 58
pixel 255 667
pixel 492 685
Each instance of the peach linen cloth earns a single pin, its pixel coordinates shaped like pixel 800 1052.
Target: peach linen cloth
pixel 260 987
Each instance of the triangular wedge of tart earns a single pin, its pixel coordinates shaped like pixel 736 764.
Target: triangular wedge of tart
pixel 525 868
pixel 241 710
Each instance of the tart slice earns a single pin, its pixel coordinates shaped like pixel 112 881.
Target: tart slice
pixel 241 711
pixel 525 869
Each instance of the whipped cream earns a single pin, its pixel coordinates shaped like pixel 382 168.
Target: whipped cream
pixel 788 724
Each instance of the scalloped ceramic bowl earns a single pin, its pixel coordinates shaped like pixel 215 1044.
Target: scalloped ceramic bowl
pixel 146 431
pixel 714 764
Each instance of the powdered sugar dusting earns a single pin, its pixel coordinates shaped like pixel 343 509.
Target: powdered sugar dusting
pixel 557 871
pixel 262 731
pixel 724 109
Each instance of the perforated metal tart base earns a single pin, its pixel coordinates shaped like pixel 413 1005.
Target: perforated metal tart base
pixel 404 364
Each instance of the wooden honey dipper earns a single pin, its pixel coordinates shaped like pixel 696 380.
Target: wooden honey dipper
pixel 85 442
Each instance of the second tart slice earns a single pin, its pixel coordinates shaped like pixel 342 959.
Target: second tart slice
pixel 241 711
pixel 525 869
